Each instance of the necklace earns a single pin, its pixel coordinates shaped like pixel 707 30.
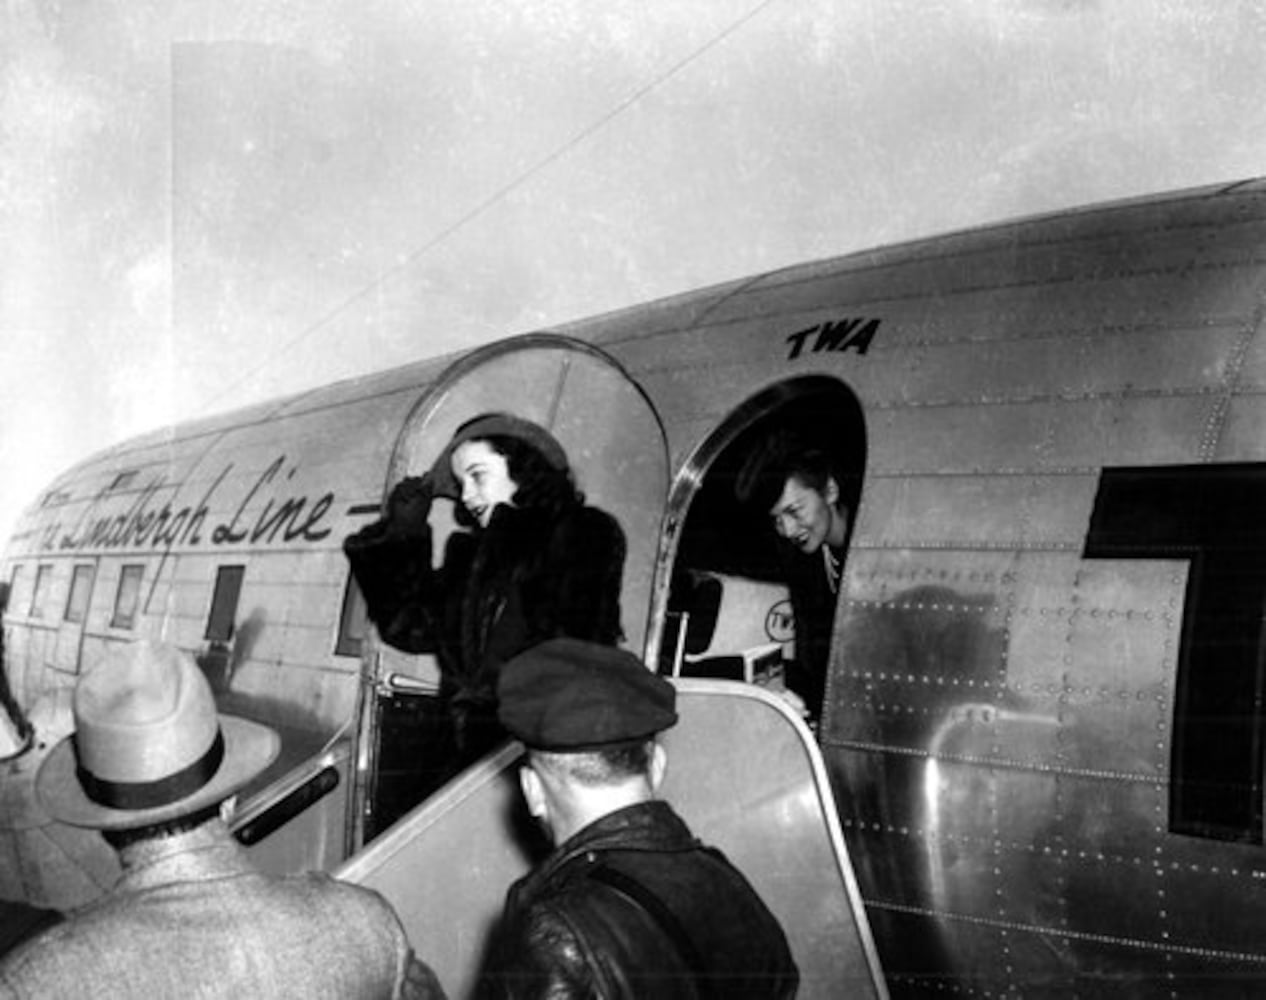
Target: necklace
pixel 832 566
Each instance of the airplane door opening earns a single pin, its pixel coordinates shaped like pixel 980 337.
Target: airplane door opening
pixel 728 611
pixel 618 453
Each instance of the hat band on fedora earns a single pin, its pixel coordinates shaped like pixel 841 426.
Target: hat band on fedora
pixel 151 794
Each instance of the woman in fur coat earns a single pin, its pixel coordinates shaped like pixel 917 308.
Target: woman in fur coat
pixel 536 563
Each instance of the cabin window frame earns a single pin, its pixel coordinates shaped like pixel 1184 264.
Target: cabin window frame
pixel 128 573
pixel 79 595
pixel 226 595
pixel 40 591
pixel 14 577
pixel 353 621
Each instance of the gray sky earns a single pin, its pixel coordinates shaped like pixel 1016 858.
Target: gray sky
pixel 205 204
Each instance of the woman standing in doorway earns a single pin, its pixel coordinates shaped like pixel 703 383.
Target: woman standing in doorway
pixel 537 563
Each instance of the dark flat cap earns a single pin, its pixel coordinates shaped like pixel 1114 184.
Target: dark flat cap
pixel 488 425
pixel 572 695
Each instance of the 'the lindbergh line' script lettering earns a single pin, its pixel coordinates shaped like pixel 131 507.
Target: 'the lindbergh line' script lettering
pixel 148 521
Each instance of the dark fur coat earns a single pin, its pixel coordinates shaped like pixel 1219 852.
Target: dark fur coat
pixel 527 577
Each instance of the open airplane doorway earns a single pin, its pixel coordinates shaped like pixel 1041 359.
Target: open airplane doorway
pixel 618 453
pixel 728 612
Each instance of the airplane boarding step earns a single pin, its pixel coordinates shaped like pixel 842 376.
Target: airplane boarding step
pixel 743 771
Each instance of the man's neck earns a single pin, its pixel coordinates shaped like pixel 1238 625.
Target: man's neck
pixel 143 853
pixel 596 803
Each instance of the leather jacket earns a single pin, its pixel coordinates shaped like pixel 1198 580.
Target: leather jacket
pixel 635 906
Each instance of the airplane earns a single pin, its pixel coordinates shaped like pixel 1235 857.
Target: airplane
pixel 1043 726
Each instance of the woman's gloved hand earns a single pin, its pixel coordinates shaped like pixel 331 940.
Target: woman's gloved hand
pixel 408 506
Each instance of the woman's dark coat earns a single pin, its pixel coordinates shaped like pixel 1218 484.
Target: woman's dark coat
pixel 527 577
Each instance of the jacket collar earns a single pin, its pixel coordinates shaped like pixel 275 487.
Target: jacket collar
pixel 205 852
pixel 646 826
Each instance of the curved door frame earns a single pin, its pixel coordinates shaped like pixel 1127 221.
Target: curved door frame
pixel 756 410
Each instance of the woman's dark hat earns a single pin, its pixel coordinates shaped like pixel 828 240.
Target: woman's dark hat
pixel 569 695
pixel 149 745
pixel 763 474
pixel 493 425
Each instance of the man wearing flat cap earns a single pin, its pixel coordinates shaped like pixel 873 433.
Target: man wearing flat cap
pixel 630 903
pixel 149 765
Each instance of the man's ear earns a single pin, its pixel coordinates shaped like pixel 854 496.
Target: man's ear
pixel 533 791
pixel 832 491
pixel 659 765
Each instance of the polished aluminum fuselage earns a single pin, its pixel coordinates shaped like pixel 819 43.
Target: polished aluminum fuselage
pixel 1002 699
pixel 1011 658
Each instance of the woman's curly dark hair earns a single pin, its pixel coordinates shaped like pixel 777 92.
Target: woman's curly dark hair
pixel 541 486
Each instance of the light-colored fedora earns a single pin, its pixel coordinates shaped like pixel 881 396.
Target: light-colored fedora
pixel 148 744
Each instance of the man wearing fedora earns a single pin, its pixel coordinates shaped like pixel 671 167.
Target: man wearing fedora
pixel 630 903
pixel 149 766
